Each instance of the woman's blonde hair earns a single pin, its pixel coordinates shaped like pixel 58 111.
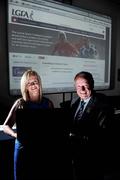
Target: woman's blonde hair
pixel 24 81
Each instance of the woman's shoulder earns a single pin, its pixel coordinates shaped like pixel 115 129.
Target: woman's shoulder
pixel 47 101
pixel 19 103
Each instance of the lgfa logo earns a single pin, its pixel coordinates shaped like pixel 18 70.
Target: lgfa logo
pixel 22 13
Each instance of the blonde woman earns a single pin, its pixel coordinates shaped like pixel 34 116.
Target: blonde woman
pixel 31 90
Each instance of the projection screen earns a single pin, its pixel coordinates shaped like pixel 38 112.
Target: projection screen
pixel 57 41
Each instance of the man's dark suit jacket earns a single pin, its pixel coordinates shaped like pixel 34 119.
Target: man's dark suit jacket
pixel 89 134
pixel 96 115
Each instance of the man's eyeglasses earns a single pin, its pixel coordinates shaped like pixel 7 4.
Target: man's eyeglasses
pixel 32 83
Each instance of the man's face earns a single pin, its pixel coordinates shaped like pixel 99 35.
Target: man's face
pixel 82 88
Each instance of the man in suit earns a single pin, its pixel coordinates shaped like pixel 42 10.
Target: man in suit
pixel 88 129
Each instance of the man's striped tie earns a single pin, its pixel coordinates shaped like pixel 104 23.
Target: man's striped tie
pixel 80 111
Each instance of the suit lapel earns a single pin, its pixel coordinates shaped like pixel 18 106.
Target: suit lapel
pixel 91 104
pixel 89 107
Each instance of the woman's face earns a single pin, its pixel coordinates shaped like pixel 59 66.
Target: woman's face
pixel 82 88
pixel 33 88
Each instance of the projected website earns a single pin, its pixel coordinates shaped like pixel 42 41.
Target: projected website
pixel 57 44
